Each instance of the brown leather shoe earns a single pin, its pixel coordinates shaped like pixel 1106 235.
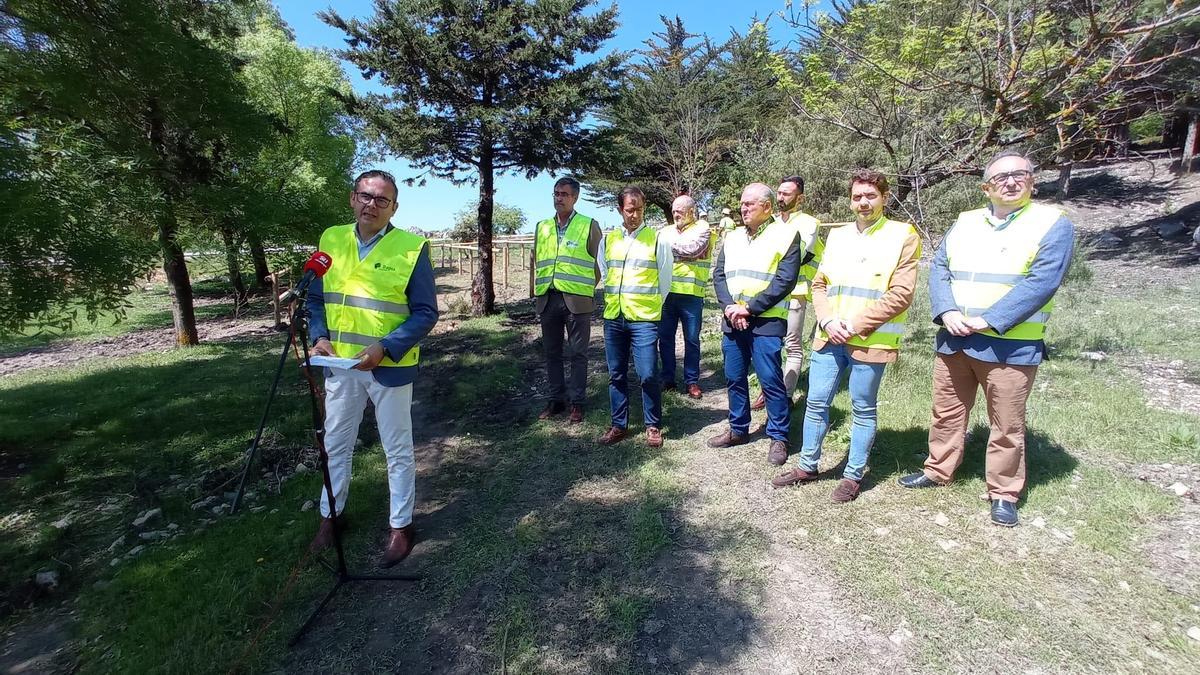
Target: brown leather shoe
pixel 727 439
pixel 777 454
pixel 400 544
pixel 654 437
pixel 576 414
pixel 324 537
pixel 694 391
pixel 759 403
pixel 794 477
pixel 846 491
pixel 615 435
pixel 552 408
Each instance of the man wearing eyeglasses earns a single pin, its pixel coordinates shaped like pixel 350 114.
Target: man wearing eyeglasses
pixel 992 288
pixel 565 276
pixel 376 302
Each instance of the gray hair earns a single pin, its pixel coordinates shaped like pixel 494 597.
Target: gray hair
pixel 1009 152
pixel 764 192
pixel 686 201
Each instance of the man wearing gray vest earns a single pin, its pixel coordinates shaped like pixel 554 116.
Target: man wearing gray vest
pixel 565 276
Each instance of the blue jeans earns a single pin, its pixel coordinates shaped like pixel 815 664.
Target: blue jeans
pixel 641 337
pixel 825 370
pixel 685 309
pixel 741 349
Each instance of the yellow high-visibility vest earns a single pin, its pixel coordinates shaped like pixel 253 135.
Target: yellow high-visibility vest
pixel 858 269
pixel 631 276
pixel 751 262
pixel 564 262
pixel 367 299
pixel 986 262
pixel 690 277
pixel 807 226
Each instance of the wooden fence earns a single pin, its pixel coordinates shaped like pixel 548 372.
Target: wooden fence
pixel 463 256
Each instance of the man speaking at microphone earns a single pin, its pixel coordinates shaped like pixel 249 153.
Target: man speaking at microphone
pixel 375 303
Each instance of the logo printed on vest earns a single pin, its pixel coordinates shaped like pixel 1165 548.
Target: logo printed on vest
pixel 385 268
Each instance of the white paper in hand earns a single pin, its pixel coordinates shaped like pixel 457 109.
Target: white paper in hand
pixel 332 362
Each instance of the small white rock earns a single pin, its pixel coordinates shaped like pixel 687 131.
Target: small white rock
pixel 1179 489
pixel 941 519
pixel 900 635
pixel 948 544
pixel 1194 633
pixel 308 505
pixel 62 523
pixel 882 531
pixel 1039 523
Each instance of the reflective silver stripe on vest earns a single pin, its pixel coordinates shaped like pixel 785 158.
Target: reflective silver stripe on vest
pixel 703 264
pixel 545 263
pixel 643 264
pixel 892 328
pixel 566 259
pixel 750 274
pixel 853 291
pixel 353 338
pixel 685 280
pixel 742 297
pixel 367 303
pixel 575 277
pixel 986 277
pixel 633 290
pixel 1036 317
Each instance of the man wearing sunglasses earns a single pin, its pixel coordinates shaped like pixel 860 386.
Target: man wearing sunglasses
pixel 991 288
pixel 376 302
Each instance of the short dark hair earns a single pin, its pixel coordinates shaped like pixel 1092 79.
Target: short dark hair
pixel 1008 152
pixel 870 177
pixel 630 191
pixel 379 173
pixel 569 182
pixel 794 179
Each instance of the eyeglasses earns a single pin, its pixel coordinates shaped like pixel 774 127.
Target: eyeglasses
pixel 365 198
pixel 1018 177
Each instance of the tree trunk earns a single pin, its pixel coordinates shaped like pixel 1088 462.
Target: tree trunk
pixel 262 272
pixel 483 292
pixel 1064 181
pixel 665 206
pixel 183 311
pixel 1121 139
pixel 231 262
pixel 1191 144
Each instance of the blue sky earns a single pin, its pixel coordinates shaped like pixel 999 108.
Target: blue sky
pixel 433 206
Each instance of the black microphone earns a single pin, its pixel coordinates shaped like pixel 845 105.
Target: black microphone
pixel 318 264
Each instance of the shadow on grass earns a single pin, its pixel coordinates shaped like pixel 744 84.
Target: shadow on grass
pixel 539 551
pixel 900 452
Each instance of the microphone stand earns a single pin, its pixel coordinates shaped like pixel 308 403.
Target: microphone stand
pixel 341 572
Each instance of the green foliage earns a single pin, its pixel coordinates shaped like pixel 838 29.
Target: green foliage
pixel 479 87
pixel 1148 128
pixel 685 106
pixel 67 250
pixel 150 95
pixel 506 220
pixel 938 85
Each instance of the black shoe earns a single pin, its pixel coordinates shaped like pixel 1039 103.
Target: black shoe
pixel 668 386
pixel 918 480
pixel 1004 513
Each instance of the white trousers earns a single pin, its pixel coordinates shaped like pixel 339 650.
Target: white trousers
pixel 793 345
pixel 346 394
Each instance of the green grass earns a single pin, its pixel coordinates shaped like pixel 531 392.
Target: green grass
pixel 147 306
pixel 555 552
